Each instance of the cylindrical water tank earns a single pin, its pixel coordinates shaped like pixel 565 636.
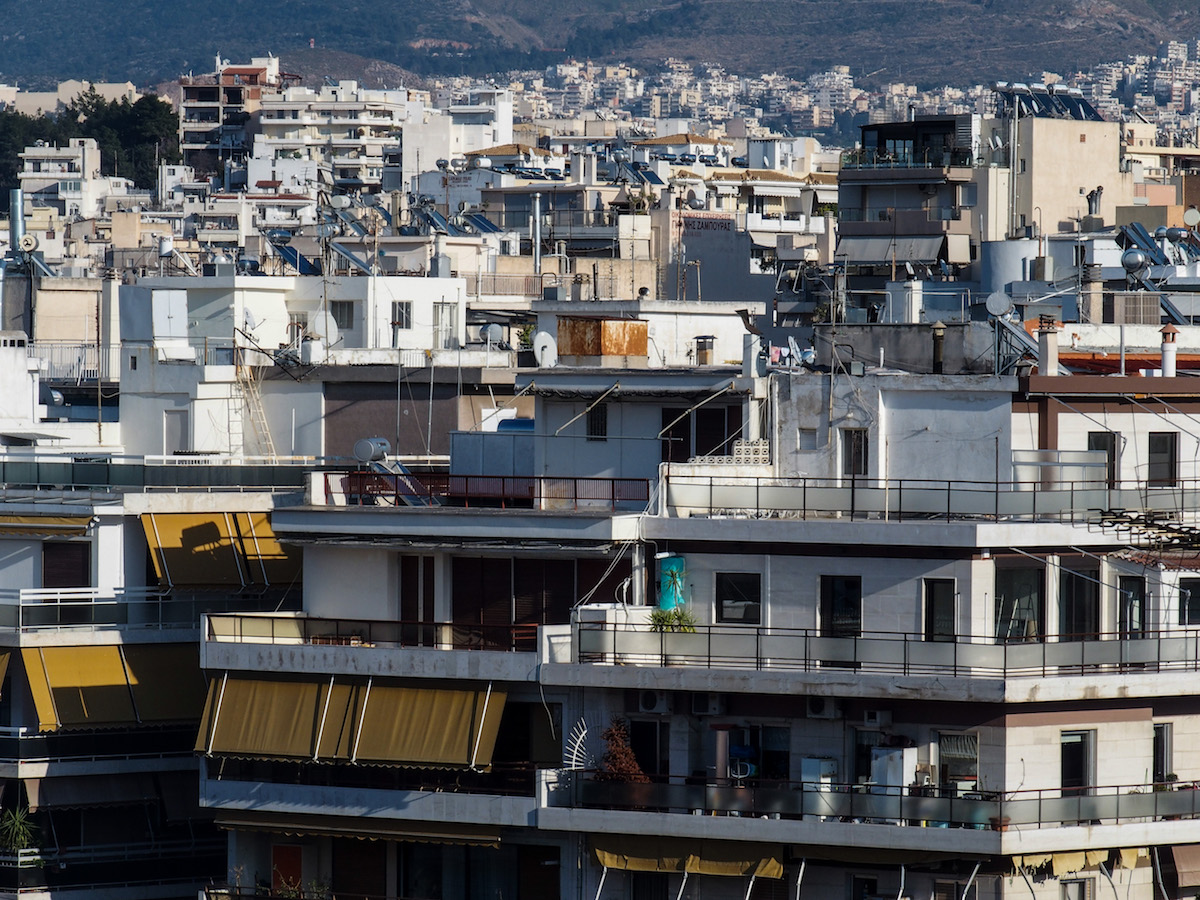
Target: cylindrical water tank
pixel 371 449
pixel 166 247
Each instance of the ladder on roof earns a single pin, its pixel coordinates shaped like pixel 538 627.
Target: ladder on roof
pixel 260 431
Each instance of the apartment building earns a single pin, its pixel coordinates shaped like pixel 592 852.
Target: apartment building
pixel 937 642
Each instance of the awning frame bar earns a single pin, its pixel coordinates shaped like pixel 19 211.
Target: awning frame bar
pixel 800 877
pixel 158 549
pixel 212 731
pixel 479 733
pixel 749 887
pixel 324 716
pixel 361 720
pixel 682 885
pixel 600 886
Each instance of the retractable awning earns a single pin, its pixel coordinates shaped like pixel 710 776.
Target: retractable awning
pixel 88 791
pixel 110 685
pixel 1187 864
pixel 345 720
pixel 218 549
pixel 44 526
pixel 699 857
pixel 361 827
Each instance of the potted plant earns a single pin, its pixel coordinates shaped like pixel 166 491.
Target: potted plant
pixel 17 830
pixel 678 619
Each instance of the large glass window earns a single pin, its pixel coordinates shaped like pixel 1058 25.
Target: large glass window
pixel 1131 605
pixel 1078 762
pixel 854 451
pixel 939 609
pixel 1189 601
pixel 1163 468
pixel 1020 607
pixel 958 762
pixel 739 597
pixel 1079 604
pixel 1163 752
pixel 841 605
pixel 1106 442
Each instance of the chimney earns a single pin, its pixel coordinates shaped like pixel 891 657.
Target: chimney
pixel 939 346
pixel 16 218
pixel 1168 350
pixel 1047 345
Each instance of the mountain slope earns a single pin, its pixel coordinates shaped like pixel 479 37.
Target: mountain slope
pixel 923 41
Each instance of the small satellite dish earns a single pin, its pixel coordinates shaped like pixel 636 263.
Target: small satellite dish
pixel 1191 217
pixel 492 333
pixel 28 242
pixel 320 322
pixel 251 321
pixel 545 350
pixel 998 303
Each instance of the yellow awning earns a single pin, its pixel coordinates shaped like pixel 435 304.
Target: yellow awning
pixel 1187 864
pixel 108 685
pixel 345 720
pixel 218 549
pixel 44 526
pixel 700 857
pixel 78 687
pixel 166 681
pixel 5 655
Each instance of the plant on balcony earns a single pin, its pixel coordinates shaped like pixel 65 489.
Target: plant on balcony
pixel 677 619
pixel 618 762
pixel 17 830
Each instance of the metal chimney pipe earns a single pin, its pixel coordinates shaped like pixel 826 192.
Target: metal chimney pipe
pixel 1169 347
pixel 939 347
pixel 16 218
pixel 1047 346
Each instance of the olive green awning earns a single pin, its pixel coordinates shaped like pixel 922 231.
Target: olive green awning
pixel 344 720
pixel 700 857
pixel 44 526
pixel 360 827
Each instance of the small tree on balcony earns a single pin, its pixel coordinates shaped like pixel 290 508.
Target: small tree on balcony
pixel 618 762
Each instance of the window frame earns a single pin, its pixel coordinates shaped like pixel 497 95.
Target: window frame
pixel 826 603
pixel 1189 606
pixel 342 313
pixel 929 615
pixel 720 597
pixel 1162 471
pixel 597 422
pixel 856 449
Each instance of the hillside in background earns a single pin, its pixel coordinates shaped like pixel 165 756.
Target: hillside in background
pixel 927 42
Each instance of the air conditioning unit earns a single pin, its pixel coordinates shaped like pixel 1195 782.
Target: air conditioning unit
pixel 654 702
pixel 705 703
pixel 824 708
pixel 877 718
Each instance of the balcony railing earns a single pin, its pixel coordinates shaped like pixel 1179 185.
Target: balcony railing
pixel 925 159
pixel 877 804
pixel 807 650
pixel 502 491
pixel 20 744
pixel 1078 502
pixel 906 215
pixel 98 609
pixel 77 362
pixel 286 629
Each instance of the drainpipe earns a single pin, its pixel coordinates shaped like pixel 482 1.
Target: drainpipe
pixel 537 234
pixel 939 346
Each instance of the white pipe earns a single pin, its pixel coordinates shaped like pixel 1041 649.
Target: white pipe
pixel 800 876
pixel 682 885
pixel 600 886
pixel 487 698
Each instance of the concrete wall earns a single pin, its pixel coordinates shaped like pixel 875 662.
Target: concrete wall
pixel 351 583
pixel 631 449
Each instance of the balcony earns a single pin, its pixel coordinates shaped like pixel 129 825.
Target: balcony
pixel 486 491
pixel 858 814
pixel 173 864
pixel 1082 502
pixel 881 653
pixel 30 610
pixel 871 158
pixel 76 363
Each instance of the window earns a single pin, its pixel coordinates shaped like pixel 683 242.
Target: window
pixel 1131 606
pixel 597 422
pixel 1107 442
pixel 854 451
pixel 841 605
pixel 1163 752
pixel 66 564
pixel 1163 468
pixel 958 761
pixel 806 439
pixel 1189 601
pixel 1077 763
pixel 401 318
pixel 445 326
pixel 739 597
pixel 1076 889
pixel 939 609
pixel 343 313
pixel 1020 608
pixel 1079 605
pixel 862 887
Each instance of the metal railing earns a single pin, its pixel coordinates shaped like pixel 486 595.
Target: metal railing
pixel 98 609
pixel 876 804
pixel 925 159
pixel 503 491
pixel 494 284
pixel 1077 502
pixel 77 362
pixel 28 745
pixel 368 633
pixel 908 214
pixel 110 473
pixel 808 650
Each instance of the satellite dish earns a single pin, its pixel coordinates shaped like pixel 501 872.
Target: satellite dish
pixel 492 333
pixel 321 323
pixel 251 321
pixel 545 349
pixel 28 242
pixel 1191 217
pixel 998 303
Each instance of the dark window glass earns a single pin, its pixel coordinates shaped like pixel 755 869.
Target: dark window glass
pixel 739 597
pixel 841 605
pixel 1020 609
pixel 1163 469
pixel 66 564
pixel 854 451
pixel 1189 601
pixel 597 422
pixel 939 609
pixel 1079 605
pixel 1107 442
pixel 1131 605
